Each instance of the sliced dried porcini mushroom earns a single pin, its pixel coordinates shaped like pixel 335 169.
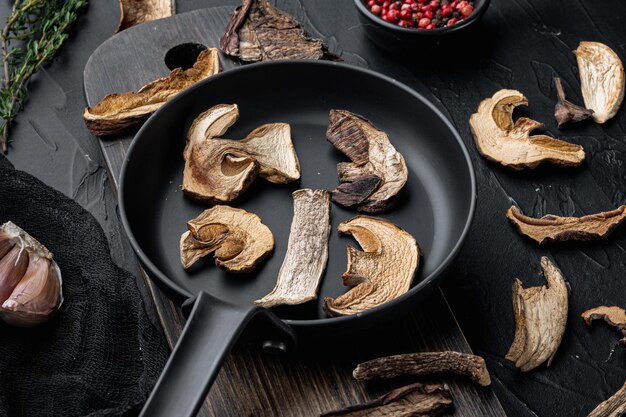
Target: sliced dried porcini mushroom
pixel 424 363
pixel 601 79
pixel 510 144
pixel 219 170
pixel 381 272
pixel 615 406
pixel 552 228
pixel 614 316
pixel 135 12
pixel 238 238
pixel 116 113
pixel 377 172
pixel 540 318
pixel 418 400
pixel 257 31
pixel 566 111
pixel 307 251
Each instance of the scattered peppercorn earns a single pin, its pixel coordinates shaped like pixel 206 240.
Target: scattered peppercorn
pixel 422 14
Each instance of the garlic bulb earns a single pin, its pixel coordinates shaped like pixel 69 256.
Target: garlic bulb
pixel 30 280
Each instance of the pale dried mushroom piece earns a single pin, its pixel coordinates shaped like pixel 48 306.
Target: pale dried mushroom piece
pixel 307 251
pixel 601 79
pixel 238 238
pixel 135 12
pixel 381 272
pixel 566 111
pixel 509 143
pixel 257 31
pixel 615 406
pixel 218 170
pixel 552 228
pixel 377 172
pixel 116 113
pixel 417 400
pixel 540 319
pixel 424 363
pixel 615 316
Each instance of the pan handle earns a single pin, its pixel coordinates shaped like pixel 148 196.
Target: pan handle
pixel 211 330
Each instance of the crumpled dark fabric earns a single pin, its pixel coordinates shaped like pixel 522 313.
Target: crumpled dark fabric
pixel 100 355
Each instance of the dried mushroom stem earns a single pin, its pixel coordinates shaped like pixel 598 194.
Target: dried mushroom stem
pixel 424 363
pixel 509 143
pixel 415 400
pixel 540 319
pixel 307 251
pixel 613 407
pixel 135 12
pixel 552 228
pixel 615 316
pixel 566 111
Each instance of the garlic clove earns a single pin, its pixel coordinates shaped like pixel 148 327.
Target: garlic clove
pixel 6 243
pixel 12 268
pixel 37 296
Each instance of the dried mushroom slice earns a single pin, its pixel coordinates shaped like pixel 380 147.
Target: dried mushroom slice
pixel 307 251
pixel 238 238
pixel 416 400
pixel 377 172
pixel 614 316
pixel 424 363
pixel 218 170
pixel 257 31
pixel 540 318
pixel 135 12
pixel 615 406
pixel 510 144
pixel 381 272
pixel 116 113
pixel 601 79
pixel 566 111
pixel 552 228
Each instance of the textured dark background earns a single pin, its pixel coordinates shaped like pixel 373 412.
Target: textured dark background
pixel 522 44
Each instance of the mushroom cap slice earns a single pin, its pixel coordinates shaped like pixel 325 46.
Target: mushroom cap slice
pixel 601 79
pixel 118 112
pixel 615 316
pixel 238 238
pixel 381 272
pixel 218 170
pixel 135 12
pixel 509 143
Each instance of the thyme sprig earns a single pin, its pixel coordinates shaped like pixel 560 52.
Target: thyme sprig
pixel 32 35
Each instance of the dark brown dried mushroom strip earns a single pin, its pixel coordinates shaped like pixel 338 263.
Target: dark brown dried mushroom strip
pixel 257 31
pixel 377 172
pixel 510 144
pixel 238 238
pixel 218 170
pixel 614 316
pixel 135 12
pixel 381 272
pixel 415 400
pixel 566 111
pixel 307 251
pixel 613 407
pixel 116 113
pixel 552 228
pixel 540 319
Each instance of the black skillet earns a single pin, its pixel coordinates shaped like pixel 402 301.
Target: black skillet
pixel 436 207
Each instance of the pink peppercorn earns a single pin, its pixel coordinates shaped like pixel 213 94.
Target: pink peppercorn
pixel 421 14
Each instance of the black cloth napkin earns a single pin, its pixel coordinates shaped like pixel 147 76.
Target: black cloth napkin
pixel 100 354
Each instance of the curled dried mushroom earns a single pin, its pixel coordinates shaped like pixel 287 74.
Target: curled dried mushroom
pixel 135 12
pixel 424 363
pixel 566 111
pixel 116 113
pixel 614 316
pixel 238 238
pixel 377 172
pixel 540 319
pixel 510 144
pixel 615 406
pixel 218 170
pixel 601 79
pixel 381 272
pixel 552 228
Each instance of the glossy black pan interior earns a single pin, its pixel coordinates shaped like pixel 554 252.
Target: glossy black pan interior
pixel 436 206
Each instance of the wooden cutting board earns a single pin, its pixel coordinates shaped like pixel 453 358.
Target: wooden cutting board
pixel 252 383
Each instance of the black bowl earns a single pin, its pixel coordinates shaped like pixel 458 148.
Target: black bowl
pixel 399 39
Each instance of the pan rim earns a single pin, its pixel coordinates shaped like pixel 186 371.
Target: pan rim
pixel 155 273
